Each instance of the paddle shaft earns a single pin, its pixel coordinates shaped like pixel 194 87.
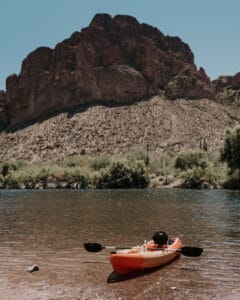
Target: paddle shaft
pixel 118 248
pixel 186 251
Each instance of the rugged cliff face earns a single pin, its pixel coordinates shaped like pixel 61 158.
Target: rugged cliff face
pixel 3 110
pixel 113 60
pixel 228 82
pixel 228 89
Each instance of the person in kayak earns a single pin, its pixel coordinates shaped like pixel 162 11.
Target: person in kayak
pixel 159 240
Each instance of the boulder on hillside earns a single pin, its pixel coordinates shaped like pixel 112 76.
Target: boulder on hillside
pixel 236 81
pixel 228 89
pixel 227 82
pixel 190 84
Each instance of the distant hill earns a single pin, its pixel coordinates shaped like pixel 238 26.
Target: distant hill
pixel 164 125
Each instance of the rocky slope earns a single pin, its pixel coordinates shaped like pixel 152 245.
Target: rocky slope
pixel 163 124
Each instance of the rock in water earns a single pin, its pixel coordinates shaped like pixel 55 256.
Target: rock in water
pixel 32 268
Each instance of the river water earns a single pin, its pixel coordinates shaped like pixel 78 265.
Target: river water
pixel 48 228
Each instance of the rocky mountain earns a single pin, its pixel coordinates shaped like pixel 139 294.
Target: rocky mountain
pixel 113 60
pixel 115 85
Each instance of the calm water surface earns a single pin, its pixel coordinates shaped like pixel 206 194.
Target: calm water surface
pixel 48 228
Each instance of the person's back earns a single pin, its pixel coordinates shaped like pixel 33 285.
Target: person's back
pixel 160 238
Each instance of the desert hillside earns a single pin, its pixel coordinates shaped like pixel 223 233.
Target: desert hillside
pixel 113 86
pixel 163 124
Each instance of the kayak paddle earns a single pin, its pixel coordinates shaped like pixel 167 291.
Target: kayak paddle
pixel 95 247
pixel 186 251
pixel 191 251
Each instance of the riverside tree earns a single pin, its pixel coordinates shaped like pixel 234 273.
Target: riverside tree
pixel 230 152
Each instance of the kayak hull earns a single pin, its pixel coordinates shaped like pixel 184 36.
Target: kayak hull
pixel 138 258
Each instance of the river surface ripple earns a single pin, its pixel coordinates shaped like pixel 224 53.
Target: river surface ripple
pixel 48 228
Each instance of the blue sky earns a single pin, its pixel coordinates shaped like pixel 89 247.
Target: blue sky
pixel 210 27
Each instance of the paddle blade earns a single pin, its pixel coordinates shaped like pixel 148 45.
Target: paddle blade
pixel 191 251
pixel 93 247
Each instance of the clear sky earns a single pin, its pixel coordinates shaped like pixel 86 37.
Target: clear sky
pixel 210 27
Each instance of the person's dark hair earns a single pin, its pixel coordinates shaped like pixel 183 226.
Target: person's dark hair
pixel 160 238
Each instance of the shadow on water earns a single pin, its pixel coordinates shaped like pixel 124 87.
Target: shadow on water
pixel 115 277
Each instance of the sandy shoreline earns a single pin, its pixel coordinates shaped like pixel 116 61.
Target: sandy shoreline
pixel 43 291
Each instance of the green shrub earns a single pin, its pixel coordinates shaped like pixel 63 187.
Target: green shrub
pixel 100 162
pixel 76 178
pixel 138 154
pixel 233 180
pixel 2 182
pixel 10 166
pixel 162 164
pixel 25 177
pixel 76 161
pixel 26 180
pixel 123 174
pixel 191 159
pixel 66 177
pixel 198 177
pixel 11 182
pixel 42 175
pixel 230 152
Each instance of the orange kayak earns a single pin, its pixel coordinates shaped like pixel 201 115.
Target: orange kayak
pixel 143 257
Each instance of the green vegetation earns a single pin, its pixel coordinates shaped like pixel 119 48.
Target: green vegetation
pixel 137 168
pixel 190 159
pixel 200 169
pixel 233 180
pixel 230 153
pixel 124 174
pixel 79 172
pixel 199 177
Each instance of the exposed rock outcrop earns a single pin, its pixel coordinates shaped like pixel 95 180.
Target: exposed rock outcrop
pixel 3 110
pixel 190 84
pixel 228 89
pixel 228 82
pixel 113 60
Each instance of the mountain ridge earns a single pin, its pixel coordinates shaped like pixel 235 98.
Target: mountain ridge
pixel 114 59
